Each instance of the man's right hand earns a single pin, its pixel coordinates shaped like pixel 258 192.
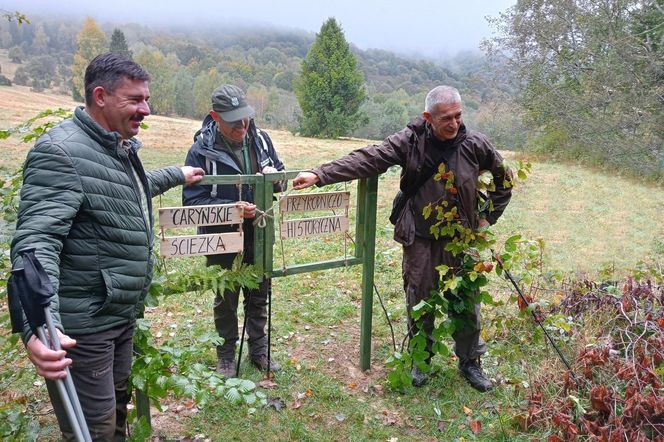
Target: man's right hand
pixel 248 209
pixel 50 364
pixel 304 180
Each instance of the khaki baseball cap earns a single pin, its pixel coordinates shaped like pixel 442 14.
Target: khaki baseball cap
pixel 230 103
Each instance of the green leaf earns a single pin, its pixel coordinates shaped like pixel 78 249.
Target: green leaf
pixel 246 386
pixel 394 359
pixel 233 382
pixel 141 430
pixel 233 395
pixel 421 308
pixel 442 269
pixel 426 212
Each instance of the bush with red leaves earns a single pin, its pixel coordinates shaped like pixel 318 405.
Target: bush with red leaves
pixel 621 376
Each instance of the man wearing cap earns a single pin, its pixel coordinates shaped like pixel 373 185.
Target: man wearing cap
pixel 229 143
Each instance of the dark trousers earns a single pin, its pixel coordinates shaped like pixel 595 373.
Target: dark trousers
pixel 100 371
pixel 255 311
pixel 420 276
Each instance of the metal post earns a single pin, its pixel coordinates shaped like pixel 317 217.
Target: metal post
pixel 142 398
pixel 143 405
pixel 368 187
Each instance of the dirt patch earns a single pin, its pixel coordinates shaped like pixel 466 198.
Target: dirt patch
pixel 341 359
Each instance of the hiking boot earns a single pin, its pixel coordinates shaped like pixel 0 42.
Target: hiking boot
pixel 419 377
pixel 260 362
pixel 470 369
pixel 226 367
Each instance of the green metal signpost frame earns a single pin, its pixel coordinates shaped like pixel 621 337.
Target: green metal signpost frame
pixel 264 239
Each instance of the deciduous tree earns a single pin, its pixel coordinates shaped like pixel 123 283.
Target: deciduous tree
pixel 591 78
pixel 91 42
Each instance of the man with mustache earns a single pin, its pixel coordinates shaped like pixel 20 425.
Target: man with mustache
pixel 229 143
pixel 439 135
pixel 86 209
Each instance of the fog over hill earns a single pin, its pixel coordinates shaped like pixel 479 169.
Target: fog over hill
pixel 426 28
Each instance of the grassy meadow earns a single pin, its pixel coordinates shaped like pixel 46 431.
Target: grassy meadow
pixel 589 220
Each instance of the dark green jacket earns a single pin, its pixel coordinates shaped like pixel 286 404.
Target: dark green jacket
pixel 81 210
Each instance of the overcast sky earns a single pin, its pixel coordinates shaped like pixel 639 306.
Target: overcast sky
pixel 426 27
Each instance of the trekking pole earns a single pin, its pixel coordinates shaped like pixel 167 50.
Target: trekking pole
pixel 64 394
pixel 69 383
pixel 535 317
pixel 35 292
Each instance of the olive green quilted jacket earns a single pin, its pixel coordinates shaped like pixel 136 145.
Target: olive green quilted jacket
pixel 81 210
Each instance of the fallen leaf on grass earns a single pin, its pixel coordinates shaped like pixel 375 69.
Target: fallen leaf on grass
pixel 467 410
pixel 475 427
pixel 352 386
pixel 441 426
pixel 276 403
pixel 296 405
pixel 340 417
pixel 309 392
pixel 389 418
pixel 268 384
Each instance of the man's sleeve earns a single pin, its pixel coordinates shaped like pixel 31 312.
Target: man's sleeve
pixel 279 186
pixel 491 160
pixel 367 161
pixel 164 179
pixel 50 200
pixel 198 194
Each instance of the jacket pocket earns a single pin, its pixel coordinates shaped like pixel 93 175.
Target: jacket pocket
pixel 96 308
pixel 404 229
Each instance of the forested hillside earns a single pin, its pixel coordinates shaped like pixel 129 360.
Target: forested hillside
pixel 577 80
pixel 187 64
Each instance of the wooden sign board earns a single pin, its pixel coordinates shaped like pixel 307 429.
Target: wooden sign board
pixel 311 202
pixel 303 228
pixel 196 245
pixel 192 216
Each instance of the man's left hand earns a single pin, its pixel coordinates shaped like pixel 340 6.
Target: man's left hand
pixel 192 175
pixel 269 169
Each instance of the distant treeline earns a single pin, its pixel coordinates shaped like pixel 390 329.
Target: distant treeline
pixel 577 80
pixel 186 64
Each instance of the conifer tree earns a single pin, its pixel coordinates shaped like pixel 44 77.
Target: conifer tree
pixel 119 44
pixel 330 88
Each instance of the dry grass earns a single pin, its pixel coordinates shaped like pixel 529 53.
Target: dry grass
pixel 586 218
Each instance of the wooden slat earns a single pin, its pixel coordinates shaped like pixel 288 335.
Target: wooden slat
pixel 189 216
pixel 196 245
pixel 303 228
pixel 311 202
